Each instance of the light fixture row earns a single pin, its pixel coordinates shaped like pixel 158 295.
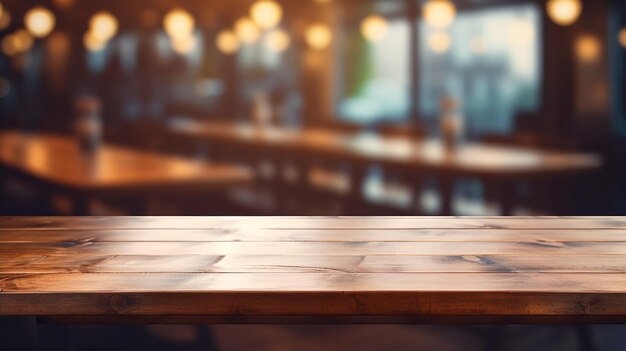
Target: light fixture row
pixel 264 15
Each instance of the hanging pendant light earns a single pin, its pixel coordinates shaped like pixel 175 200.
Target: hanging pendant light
pixel 564 12
pixel 179 24
pixel 318 36
pixel 103 25
pixel 439 14
pixel 227 42
pixel 266 13
pixel 93 43
pixel 277 40
pixel 374 28
pixel 185 46
pixel 246 30
pixel 39 21
pixel 439 42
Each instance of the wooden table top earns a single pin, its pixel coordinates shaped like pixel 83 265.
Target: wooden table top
pixel 472 159
pixel 304 269
pixel 58 161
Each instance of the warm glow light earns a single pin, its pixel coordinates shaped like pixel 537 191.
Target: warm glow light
pixel 622 37
pixel 1 9
pixel 266 13
pixel 8 46
pixel 246 31
pixel 179 24
pixel 374 28
pixel 227 42
pixel 277 40
pixel 39 21
pixel 520 32
pixel 103 25
pixel 93 43
pixel 439 42
pixel 17 43
pixel 564 12
pixel 184 46
pixel 5 19
pixel 439 13
pixel 588 48
pixel 318 36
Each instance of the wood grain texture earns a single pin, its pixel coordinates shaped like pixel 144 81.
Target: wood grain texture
pixel 403 152
pixel 382 224
pixel 58 161
pixel 321 269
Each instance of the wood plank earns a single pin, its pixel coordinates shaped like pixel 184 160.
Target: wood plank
pixel 317 248
pixel 258 269
pixel 382 223
pixel 321 282
pixel 307 235
pixel 310 304
pixel 309 264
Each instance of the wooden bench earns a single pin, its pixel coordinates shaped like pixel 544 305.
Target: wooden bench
pixel 313 270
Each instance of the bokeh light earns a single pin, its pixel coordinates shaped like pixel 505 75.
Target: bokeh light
pixel 318 36
pixel 8 46
pixel 93 43
pixel 179 24
pixel 564 12
pixel 227 42
pixel 622 38
pixel 5 19
pixel 39 21
pixel 439 14
pixel 439 42
pixel 277 40
pixel 266 13
pixel 247 32
pixel 374 28
pixel 184 46
pixel 17 43
pixel 588 48
pixel 103 25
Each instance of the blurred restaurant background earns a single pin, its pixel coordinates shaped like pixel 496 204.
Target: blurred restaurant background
pixel 313 107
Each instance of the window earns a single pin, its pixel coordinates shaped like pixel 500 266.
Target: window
pixel 373 76
pixel 489 61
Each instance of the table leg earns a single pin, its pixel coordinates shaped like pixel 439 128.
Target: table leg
pixel 356 204
pixel 506 193
pixel 446 189
pixel 207 337
pixel 80 205
pixel 585 338
pixel 18 333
